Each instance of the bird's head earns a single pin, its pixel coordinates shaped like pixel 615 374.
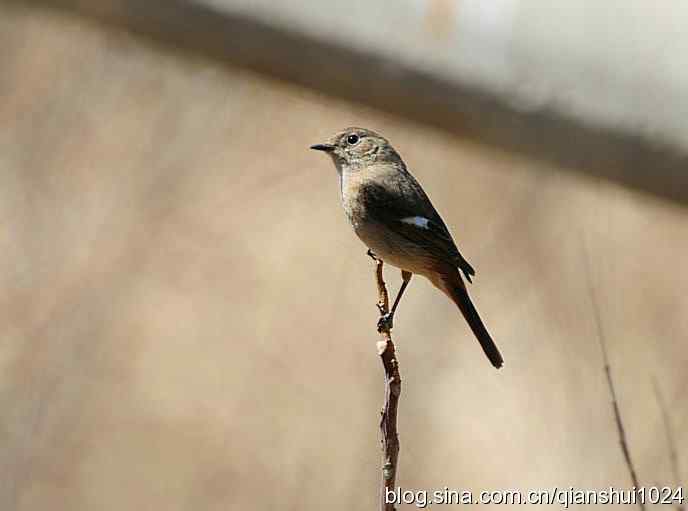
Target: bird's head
pixel 355 148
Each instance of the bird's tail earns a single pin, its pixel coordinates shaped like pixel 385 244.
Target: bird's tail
pixel 454 287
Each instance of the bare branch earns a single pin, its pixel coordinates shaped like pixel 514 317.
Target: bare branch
pixel 610 382
pixel 388 420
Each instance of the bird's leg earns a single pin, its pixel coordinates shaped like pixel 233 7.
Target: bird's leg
pixel 386 321
pixel 406 278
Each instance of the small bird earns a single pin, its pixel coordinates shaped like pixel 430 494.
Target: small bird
pixel 394 217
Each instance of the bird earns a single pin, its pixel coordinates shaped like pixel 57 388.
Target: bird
pixel 391 214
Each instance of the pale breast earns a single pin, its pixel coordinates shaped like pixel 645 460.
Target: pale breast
pixel 351 198
pixel 393 248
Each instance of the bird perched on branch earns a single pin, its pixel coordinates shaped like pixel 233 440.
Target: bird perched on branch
pixel 393 216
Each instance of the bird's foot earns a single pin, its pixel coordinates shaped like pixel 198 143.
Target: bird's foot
pixel 386 322
pixel 372 255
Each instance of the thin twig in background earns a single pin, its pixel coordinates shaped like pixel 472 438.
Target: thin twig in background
pixel 610 382
pixel 671 443
pixel 388 421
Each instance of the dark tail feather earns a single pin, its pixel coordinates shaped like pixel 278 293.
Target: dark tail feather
pixel 457 292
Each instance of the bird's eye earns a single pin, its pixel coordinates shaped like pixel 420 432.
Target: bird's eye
pixel 352 139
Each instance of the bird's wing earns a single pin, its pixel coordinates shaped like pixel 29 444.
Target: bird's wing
pixel 403 207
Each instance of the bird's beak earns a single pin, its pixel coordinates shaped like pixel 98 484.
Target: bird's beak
pixel 328 148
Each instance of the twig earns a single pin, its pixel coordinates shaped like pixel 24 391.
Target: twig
pixel 671 443
pixel 388 421
pixel 610 382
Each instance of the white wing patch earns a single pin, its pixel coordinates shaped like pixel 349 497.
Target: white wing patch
pixel 418 221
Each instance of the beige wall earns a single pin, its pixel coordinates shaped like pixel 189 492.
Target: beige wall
pixel 188 321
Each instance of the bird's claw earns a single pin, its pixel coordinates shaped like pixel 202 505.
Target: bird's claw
pixel 386 322
pixel 372 255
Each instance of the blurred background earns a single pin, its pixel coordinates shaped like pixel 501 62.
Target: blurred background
pixel 188 320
